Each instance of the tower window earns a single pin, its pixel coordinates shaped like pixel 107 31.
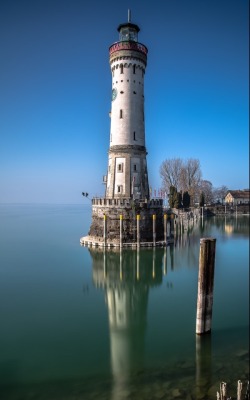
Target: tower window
pixel 121 69
pixel 134 92
pixel 120 113
pixel 134 167
pixel 133 69
pixel 120 167
pixel 119 189
pixel 134 136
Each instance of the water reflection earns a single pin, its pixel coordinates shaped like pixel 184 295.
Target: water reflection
pixel 126 278
pixel 203 364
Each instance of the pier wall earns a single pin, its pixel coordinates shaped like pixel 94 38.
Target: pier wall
pixel 113 210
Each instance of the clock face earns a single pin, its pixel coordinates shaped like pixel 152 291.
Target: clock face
pixel 114 94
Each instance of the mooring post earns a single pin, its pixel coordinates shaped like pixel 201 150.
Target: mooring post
pixel 138 229
pixel 205 285
pixel 104 228
pixel 154 232
pixel 165 228
pixel 120 230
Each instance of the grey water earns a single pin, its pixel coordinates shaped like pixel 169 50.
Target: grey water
pixel 79 323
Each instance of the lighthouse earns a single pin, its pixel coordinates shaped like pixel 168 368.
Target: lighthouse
pixel 126 216
pixel 127 175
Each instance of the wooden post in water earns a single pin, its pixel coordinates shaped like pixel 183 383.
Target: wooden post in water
pixel 205 285
pixel 104 229
pixel 165 228
pixel 154 231
pixel 138 229
pixel 120 230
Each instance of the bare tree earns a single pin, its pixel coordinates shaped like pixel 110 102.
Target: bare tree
pixel 220 193
pixel 206 187
pixel 183 175
pixel 191 177
pixel 170 172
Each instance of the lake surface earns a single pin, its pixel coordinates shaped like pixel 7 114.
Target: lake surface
pixel 79 323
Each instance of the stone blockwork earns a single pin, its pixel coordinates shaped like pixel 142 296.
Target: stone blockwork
pixel 129 212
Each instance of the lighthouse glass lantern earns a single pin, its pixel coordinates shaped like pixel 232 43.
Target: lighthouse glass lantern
pixel 128 32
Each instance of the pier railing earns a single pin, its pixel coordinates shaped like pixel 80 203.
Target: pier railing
pixel 125 202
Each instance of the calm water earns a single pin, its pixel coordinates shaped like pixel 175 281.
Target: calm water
pixel 84 324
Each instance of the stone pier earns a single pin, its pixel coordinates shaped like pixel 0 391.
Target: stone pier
pixel 148 216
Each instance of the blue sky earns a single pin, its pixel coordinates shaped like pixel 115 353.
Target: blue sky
pixel 55 92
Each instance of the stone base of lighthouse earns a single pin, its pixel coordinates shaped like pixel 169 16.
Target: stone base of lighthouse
pixel 128 223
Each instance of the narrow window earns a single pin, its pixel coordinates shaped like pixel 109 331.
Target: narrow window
pixel 121 69
pixel 119 189
pixel 120 167
pixel 134 167
pixel 120 113
pixel 133 69
pixel 134 136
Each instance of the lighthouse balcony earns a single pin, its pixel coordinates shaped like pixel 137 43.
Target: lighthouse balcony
pixel 126 202
pixel 128 45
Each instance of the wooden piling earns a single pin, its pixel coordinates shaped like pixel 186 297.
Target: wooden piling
pixel 205 285
pixel 154 230
pixel 138 229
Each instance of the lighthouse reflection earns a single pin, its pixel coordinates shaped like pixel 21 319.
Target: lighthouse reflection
pixel 126 278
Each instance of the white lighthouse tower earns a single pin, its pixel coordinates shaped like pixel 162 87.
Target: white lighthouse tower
pixel 127 166
pixel 126 216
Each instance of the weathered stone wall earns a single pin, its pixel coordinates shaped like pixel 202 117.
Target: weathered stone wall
pixel 129 222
